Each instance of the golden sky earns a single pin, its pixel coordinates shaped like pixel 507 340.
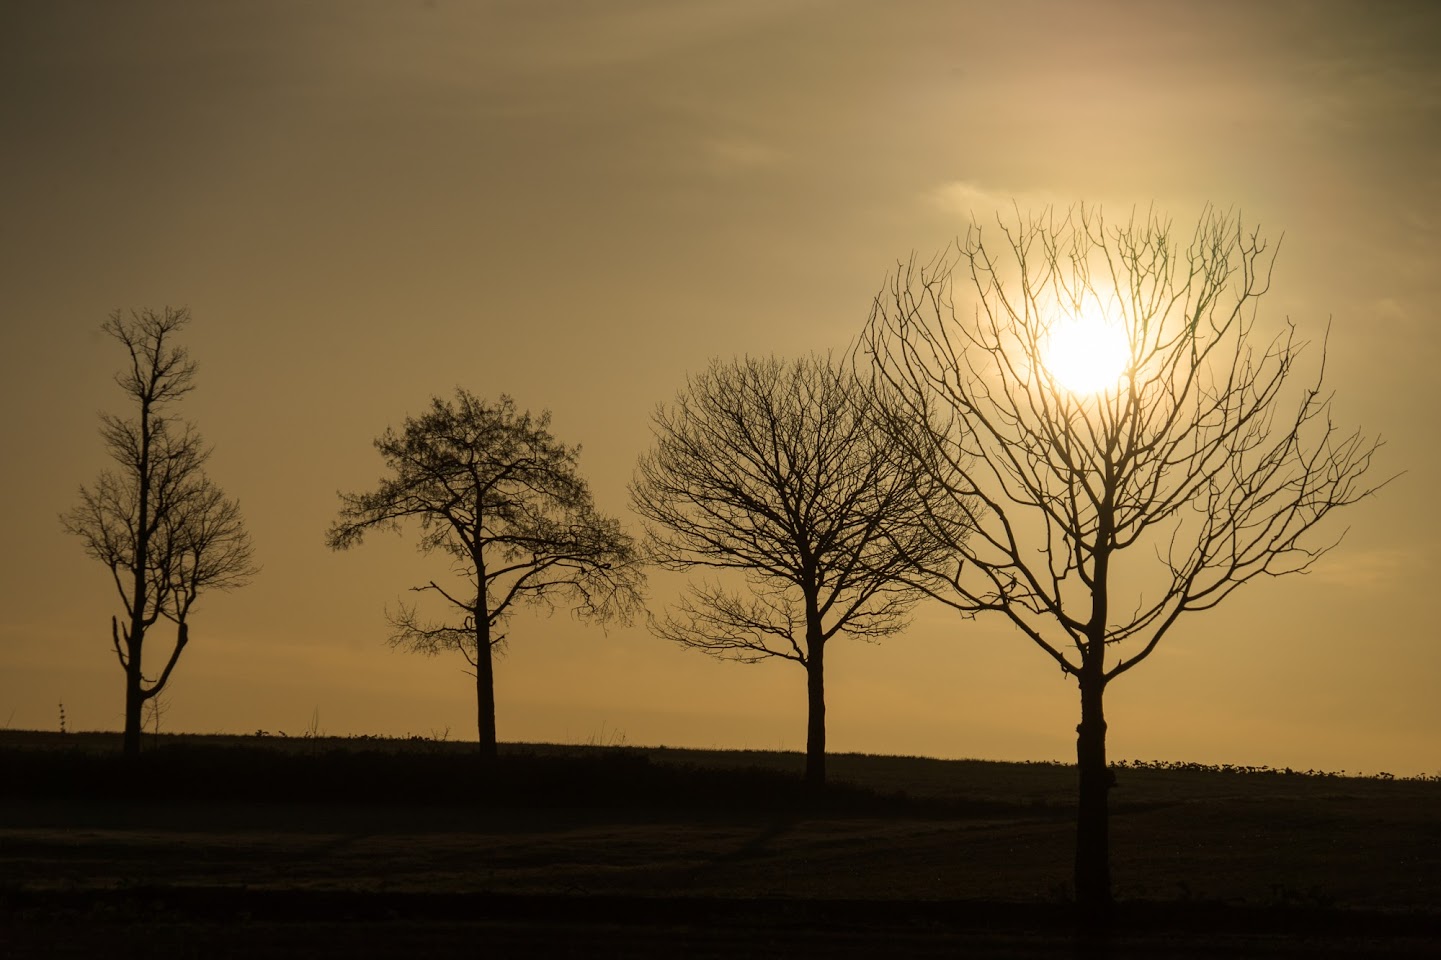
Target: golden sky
pixel 368 203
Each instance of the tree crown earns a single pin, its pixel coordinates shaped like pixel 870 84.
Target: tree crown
pixel 158 523
pixel 780 470
pixel 1198 452
pixel 490 487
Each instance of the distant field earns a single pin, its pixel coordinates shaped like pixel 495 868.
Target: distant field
pixel 212 830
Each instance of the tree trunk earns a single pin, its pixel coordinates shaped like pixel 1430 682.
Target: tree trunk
pixel 485 693
pixel 1093 854
pixel 135 639
pixel 134 703
pixel 816 716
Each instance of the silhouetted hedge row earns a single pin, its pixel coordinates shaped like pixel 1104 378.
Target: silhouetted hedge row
pixel 613 778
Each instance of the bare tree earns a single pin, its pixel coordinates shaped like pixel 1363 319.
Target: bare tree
pixel 1103 512
pixel 494 491
pixel 783 471
pixel 163 529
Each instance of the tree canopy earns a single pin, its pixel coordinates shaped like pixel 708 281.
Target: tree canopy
pixel 490 488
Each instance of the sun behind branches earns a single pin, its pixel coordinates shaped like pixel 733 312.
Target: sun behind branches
pixel 1086 351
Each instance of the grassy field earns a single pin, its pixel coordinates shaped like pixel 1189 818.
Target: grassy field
pixel 316 846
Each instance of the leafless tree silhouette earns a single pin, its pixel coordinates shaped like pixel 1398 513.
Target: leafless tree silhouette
pixel 494 491
pixel 784 472
pixel 163 529
pixel 1098 519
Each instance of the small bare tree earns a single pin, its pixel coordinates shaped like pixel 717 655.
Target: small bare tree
pixel 1111 491
pixel 784 472
pixel 158 523
pixel 155 711
pixel 493 490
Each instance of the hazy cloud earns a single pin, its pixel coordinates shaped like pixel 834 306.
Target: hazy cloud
pixel 542 38
pixel 1367 569
pixel 727 156
pixel 968 199
pixel 1391 314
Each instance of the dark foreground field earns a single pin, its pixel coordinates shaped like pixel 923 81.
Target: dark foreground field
pixel 240 847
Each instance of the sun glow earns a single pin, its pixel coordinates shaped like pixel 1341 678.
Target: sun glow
pixel 1087 352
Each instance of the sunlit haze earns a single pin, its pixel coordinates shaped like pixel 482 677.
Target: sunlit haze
pixel 368 204
pixel 1086 353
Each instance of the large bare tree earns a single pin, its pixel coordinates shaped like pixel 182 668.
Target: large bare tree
pixel 157 522
pixel 783 471
pixel 492 489
pixel 1126 444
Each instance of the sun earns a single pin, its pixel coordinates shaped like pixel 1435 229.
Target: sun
pixel 1087 352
